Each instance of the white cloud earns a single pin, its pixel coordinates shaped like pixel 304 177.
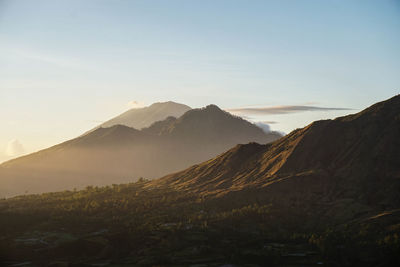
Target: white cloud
pixel 265 127
pixel 136 104
pixel 14 148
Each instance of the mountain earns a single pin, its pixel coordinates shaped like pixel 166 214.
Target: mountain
pixel 120 154
pixel 327 194
pixel 139 118
pixel 349 165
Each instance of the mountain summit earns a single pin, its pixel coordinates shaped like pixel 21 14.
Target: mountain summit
pixel 212 123
pixel 139 118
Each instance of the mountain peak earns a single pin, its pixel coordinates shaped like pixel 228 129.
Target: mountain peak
pixel 213 123
pixel 114 134
pixel 168 103
pixel 139 118
pixel 383 110
pixel 120 127
pixel 212 107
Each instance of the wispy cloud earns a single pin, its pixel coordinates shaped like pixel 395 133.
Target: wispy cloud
pixel 59 61
pixel 272 110
pixel 20 52
pixel 14 148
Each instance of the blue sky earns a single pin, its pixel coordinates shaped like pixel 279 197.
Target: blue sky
pixel 65 66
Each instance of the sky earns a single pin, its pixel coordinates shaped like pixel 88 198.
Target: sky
pixel 67 66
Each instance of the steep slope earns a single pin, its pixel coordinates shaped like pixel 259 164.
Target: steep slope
pixel 351 162
pixel 139 118
pixel 122 154
pixel 158 128
pixel 210 129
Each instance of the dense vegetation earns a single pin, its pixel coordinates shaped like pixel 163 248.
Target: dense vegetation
pixel 138 224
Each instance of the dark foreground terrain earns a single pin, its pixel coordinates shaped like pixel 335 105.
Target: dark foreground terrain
pixel 128 225
pixel 325 195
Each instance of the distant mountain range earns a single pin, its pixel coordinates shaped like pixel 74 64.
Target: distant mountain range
pixel 120 153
